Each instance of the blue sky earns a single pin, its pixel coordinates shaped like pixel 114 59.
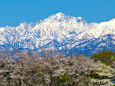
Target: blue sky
pixel 14 12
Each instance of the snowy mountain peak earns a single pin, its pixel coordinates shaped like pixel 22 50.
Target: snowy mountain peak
pixel 59 15
pixel 63 33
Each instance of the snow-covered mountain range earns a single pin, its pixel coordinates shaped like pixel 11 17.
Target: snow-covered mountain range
pixel 62 33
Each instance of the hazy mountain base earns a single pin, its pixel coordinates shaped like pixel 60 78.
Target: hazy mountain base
pixel 24 68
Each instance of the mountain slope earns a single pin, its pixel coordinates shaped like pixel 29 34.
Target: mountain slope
pixel 63 33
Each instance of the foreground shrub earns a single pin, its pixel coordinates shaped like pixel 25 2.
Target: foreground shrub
pixel 106 57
